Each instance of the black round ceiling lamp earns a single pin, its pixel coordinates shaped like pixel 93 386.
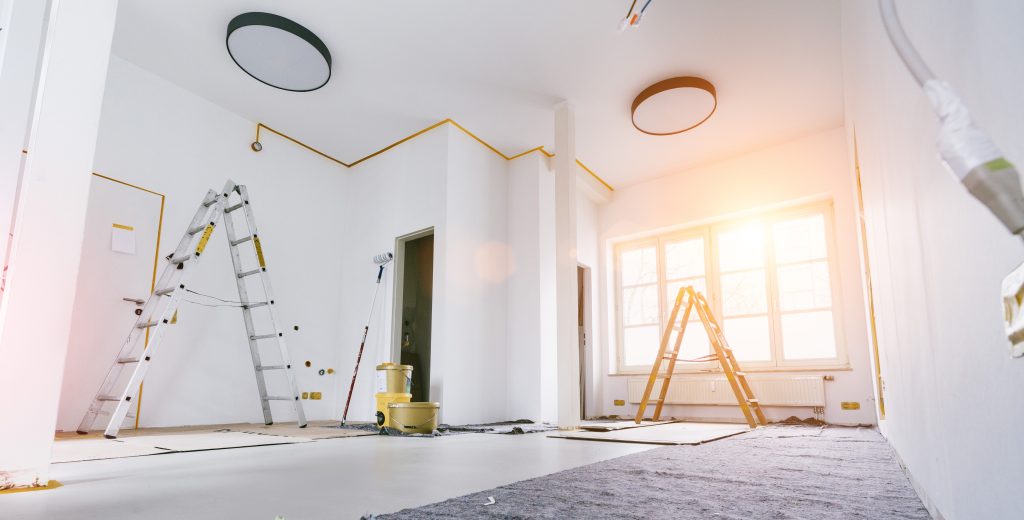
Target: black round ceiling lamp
pixel 278 52
pixel 674 105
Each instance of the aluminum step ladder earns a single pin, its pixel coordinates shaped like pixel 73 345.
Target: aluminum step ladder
pixel 695 302
pixel 121 384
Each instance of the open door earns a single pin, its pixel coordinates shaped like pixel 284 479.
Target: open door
pixel 414 298
pixel 583 323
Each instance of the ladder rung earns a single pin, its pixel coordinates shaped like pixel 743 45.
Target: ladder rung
pixel 147 324
pixel 741 374
pixel 253 305
pixel 264 336
pixel 241 240
pixel 196 229
pixel 753 401
pixel 229 209
pixel 125 361
pixel 271 367
pixel 249 273
pixel 280 398
pixel 165 291
pixel 108 398
pixel 130 415
pixel 181 259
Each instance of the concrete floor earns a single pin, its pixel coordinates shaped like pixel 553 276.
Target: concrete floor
pixel 333 479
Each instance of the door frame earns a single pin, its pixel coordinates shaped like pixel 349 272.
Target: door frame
pixel 586 344
pixel 399 286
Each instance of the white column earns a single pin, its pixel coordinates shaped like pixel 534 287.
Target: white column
pixel 35 315
pixel 21 32
pixel 567 310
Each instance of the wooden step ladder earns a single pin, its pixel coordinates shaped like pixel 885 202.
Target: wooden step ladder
pixel 695 301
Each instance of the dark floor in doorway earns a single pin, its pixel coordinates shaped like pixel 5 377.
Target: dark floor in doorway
pixel 777 472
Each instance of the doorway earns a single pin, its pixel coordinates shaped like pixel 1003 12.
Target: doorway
pixel 414 298
pixel 115 276
pixel 583 324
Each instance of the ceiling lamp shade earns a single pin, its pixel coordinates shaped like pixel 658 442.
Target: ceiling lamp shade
pixel 278 52
pixel 674 105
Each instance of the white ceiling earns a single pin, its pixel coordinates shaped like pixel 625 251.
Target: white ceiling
pixel 499 67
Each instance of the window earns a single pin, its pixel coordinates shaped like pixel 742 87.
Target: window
pixel 770 281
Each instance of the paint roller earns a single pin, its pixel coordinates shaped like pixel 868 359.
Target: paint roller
pixel 381 260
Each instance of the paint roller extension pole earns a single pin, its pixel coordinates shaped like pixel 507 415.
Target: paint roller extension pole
pixel 965 148
pixel 381 260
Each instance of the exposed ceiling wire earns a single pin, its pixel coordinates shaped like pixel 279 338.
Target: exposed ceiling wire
pixel 633 17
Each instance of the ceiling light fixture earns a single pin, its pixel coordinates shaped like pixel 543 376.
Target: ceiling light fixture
pixel 674 105
pixel 278 52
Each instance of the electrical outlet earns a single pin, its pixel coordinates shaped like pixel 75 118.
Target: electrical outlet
pixel 619 402
pixel 314 396
pixel 851 405
pixel 305 395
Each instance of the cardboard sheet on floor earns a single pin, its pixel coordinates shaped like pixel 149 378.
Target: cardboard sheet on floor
pixel 96 449
pixel 610 426
pixel 209 441
pixel 311 432
pixel 668 434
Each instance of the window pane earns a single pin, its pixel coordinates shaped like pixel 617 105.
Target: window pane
pixel 640 305
pixel 639 266
pixel 808 335
pixel 684 259
pixel 749 338
pixel 640 345
pixel 699 284
pixel 744 293
pixel 800 239
pixel 741 248
pixel 804 286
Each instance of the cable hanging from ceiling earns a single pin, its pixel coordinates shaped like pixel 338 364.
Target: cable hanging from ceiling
pixel 634 17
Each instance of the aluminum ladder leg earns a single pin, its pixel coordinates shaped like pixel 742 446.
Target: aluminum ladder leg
pixel 249 303
pixel 135 356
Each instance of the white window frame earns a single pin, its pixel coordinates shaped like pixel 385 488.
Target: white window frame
pixel 713 279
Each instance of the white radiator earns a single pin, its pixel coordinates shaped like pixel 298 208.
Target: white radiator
pixel 715 390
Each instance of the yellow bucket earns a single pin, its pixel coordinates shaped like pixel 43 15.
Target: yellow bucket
pixel 383 400
pixel 413 417
pixel 394 378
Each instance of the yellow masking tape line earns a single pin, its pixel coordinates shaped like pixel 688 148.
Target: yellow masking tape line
pixel 122 226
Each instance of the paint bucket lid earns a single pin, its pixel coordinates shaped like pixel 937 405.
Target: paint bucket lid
pixel 393 366
pixel 414 405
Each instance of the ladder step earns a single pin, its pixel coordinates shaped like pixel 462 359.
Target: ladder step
pixel 241 240
pixel 181 259
pixel 753 401
pixel 108 398
pixel 147 324
pixel 229 209
pixel 196 229
pixel 165 291
pixel 254 305
pixel 272 367
pixel 264 336
pixel 280 398
pixel 249 273
pixel 125 361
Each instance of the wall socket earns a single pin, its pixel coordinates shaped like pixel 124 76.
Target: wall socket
pixel 619 402
pixel 315 396
pixel 851 405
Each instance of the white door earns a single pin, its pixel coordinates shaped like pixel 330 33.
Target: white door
pixel 118 254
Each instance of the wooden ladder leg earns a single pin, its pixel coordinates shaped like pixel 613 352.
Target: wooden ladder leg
pixel 670 369
pixel 657 361
pixel 722 351
pixel 745 385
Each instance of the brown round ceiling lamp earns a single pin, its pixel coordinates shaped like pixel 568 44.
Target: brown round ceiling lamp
pixel 674 105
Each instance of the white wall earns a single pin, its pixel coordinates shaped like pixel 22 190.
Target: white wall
pixel 160 137
pixel 811 168
pixel 952 392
